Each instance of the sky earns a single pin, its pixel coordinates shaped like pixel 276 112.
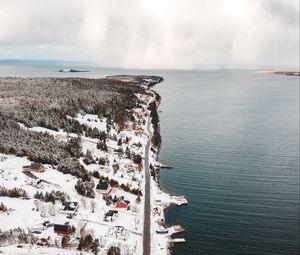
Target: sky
pixel 158 34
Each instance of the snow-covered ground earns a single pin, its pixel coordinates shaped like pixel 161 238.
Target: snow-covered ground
pixel 32 213
pixel 36 250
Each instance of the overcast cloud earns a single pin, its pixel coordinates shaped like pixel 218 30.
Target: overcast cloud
pixel 153 33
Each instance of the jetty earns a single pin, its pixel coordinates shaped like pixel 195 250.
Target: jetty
pixel 166 166
pixel 161 165
pixel 178 240
pixel 178 200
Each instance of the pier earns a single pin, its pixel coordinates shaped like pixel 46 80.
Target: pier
pixel 178 240
pixel 161 165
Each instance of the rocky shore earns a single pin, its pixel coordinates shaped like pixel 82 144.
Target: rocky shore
pixel 161 233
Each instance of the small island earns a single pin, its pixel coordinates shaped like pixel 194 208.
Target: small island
pixel 70 70
pixel 281 72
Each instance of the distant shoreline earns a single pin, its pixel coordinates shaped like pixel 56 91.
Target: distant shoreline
pixel 280 72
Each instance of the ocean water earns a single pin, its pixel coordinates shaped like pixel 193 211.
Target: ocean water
pixel 233 137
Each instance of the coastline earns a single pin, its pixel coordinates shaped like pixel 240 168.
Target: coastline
pixel 162 242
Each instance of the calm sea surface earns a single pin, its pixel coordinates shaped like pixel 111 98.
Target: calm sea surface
pixel 234 139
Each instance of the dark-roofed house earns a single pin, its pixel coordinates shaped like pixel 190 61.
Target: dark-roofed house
pixel 103 187
pixel 110 215
pixel 34 167
pixel 65 229
pixel 70 206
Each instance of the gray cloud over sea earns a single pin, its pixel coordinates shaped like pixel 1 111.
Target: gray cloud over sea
pixel 153 33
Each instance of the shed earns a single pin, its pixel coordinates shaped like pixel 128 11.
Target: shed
pixel 65 229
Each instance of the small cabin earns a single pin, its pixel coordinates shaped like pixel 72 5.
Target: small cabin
pixel 34 167
pixel 65 229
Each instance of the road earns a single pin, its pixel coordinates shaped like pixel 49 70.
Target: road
pixel 147 209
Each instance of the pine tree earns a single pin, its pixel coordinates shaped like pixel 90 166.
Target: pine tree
pixel 80 245
pixel 65 241
pixel 120 142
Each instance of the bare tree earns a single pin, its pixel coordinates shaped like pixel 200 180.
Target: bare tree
pixel 81 228
pixel 37 204
pixel 52 209
pixel 83 202
pixel 93 205
pixel 126 250
pixel 43 210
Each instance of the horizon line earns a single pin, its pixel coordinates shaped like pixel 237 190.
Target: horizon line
pixel 25 61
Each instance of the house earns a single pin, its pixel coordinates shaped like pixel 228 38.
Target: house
pixel 103 187
pixel 45 241
pixel 110 215
pixel 119 151
pixel 139 133
pixel 162 230
pixel 70 207
pixel 130 170
pixel 38 228
pixel 139 110
pixel 156 211
pixel 136 146
pixel 136 126
pixel 128 125
pixel 153 150
pixel 65 229
pixel 121 203
pixel 161 222
pixel 134 165
pixel 157 164
pixel 34 167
